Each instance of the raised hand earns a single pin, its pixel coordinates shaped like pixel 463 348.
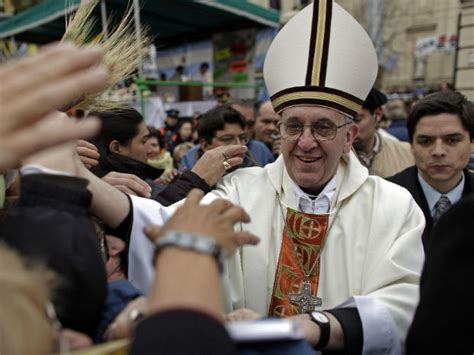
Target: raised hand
pixel 88 153
pixel 215 220
pixel 210 167
pixel 34 87
pixel 128 183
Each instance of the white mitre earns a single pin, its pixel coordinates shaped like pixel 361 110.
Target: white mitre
pixel 322 56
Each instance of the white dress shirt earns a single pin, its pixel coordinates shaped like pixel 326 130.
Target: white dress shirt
pixel 432 195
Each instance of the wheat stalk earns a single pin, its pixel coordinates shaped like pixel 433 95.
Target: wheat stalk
pixel 123 52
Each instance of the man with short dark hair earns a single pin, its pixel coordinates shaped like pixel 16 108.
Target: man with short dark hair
pixel 441 130
pixel 266 127
pixel 247 109
pixel 224 125
pixel 220 126
pixel 260 151
pixel 381 155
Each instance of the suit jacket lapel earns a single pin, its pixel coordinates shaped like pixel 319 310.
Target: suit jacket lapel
pixel 417 192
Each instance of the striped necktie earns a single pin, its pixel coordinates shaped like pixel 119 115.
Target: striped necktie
pixel 441 207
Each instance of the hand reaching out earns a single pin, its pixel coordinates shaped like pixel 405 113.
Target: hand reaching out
pixel 242 314
pixel 128 183
pixel 169 178
pixel 34 87
pixel 210 167
pixel 215 220
pixel 88 153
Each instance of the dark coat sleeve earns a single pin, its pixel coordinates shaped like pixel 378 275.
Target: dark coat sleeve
pixel 351 324
pixel 52 224
pixel 182 332
pixel 180 188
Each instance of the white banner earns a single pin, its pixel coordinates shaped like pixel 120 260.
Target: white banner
pixel 427 45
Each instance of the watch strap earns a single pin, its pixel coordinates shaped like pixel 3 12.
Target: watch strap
pixel 325 329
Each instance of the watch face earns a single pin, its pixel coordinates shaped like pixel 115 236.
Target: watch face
pixel 320 317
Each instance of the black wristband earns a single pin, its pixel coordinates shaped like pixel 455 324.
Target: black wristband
pixel 322 321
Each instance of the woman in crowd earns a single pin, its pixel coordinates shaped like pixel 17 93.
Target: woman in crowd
pixel 184 133
pixel 122 145
pixel 123 156
pixel 157 154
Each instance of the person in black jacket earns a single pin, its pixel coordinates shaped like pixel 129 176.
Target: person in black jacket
pixel 56 207
pixel 441 128
pixel 52 223
pixel 438 326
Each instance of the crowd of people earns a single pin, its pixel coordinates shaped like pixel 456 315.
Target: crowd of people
pixel 329 205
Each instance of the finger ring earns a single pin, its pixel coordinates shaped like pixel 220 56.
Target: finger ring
pixel 135 316
pixel 227 166
pixel 225 156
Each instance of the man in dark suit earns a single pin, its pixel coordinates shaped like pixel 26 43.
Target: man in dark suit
pixel 446 281
pixel 441 130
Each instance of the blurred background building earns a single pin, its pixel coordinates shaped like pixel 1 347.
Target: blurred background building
pixel 416 40
pixel 422 45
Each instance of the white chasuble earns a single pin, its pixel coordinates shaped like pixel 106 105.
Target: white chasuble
pixel 372 258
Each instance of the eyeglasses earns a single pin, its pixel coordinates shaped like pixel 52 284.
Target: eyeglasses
pixel 322 130
pixel 231 139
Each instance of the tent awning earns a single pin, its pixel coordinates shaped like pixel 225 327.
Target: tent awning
pixel 38 15
pixel 246 9
pixel 167 20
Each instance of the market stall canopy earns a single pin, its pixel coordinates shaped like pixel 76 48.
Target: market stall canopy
pixel 169 21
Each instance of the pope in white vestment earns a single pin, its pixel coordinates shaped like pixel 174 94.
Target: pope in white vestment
pixel 372 258
pixel 318 70
pixel 373 248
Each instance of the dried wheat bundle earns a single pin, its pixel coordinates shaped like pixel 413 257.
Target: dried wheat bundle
pixel 123 52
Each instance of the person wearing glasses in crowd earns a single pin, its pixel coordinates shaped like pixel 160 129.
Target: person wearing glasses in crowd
pixel 222 126
pixel 334 240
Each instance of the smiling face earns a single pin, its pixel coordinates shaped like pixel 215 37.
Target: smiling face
pixel 311 164
pixel 441 147
pixel 152 148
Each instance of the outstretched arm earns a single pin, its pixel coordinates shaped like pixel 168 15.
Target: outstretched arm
pixel 108 203
pixel 187 295
pixel 199 283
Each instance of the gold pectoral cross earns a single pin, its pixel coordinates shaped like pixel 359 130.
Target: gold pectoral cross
pixel 305 301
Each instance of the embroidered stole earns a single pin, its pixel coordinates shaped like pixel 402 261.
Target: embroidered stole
pixel 308 232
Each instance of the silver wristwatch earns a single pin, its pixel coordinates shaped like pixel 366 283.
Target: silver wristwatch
pixel 191 241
